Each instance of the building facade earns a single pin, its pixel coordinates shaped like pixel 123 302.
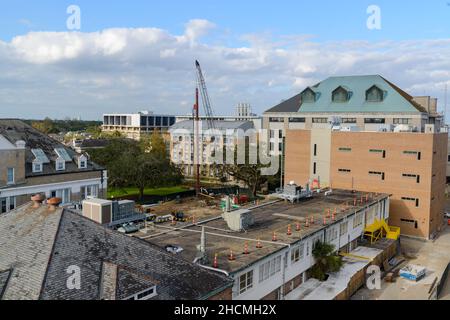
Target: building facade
pixel 32 162
pixel 409 165
pixel 182 146
pixel 134 126
pixel 364 103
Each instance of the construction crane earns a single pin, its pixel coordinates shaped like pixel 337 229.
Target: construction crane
pixel 206 102
pixel 209 115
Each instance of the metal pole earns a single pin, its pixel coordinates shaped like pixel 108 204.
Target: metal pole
pixel 197 144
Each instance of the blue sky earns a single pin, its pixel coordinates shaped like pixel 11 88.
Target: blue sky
pixel 258 52
pixel 325 19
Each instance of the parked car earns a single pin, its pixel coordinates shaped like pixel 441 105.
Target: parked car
pixel 447 214
pixel 128 228
pixel 174 249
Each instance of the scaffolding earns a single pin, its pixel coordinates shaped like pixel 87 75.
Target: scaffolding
pixel 379 229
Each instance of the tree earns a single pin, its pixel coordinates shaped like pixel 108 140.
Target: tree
pixel 326 260
pixel 154 144
pixel 246 172
pixel 46 126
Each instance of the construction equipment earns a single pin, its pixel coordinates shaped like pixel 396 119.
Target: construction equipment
pixel 206 102
pixel 179 216
pixel 380 228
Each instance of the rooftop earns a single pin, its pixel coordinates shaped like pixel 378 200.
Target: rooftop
pixel 14 130
pixel 37 246
pixel 269 218
pixel 395 99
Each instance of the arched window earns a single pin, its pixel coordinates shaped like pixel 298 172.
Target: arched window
pixel 374 94
pixel 340 95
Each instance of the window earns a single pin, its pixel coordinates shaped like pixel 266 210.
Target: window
pixel 145 295
pixel 297 253
pixel 269 268
pixel 308 95
pixel 373 173
pixel 315 149
pixel 414 200
pixel 357 220
pixel 272 146
pixel 410 221
pixel 60 164
pixel 340 95
pixel 280 134
pixel 64 194
pixel 280 146
pixel 158 122
pixel 276 119
pixel 297 120
pixel 345 170
pixel 331 234
pixel 272 133
pixel 315 168
pixel 82 162
pixel 383 152
pixel 10 176
pixel 165 121
pixel 414 176
pixel 418 153
pixel 37 167
pixel 89 191
pixel 315 241
pixel 401 121
pixel 3 205
pixel 374 120
pixel 348 120
pixel 343 228
pixel 320 120
pixel 345 149
pixel 246 282
pixel 374 94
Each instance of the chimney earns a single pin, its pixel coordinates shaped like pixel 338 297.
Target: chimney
pixel 53 203
pixel 37 200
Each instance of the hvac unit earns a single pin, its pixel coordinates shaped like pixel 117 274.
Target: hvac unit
pixel 98 210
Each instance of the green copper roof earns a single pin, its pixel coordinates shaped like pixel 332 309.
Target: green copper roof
pixel 395 99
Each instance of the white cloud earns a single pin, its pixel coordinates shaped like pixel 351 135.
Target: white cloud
pixel 61 74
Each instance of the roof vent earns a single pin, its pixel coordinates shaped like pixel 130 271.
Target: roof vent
pixel 53 203
pixel 37 200
pixel 20 144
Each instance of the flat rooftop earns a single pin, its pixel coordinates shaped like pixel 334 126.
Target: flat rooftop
pixel 270 218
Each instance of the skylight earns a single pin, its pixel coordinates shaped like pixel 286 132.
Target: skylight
pixel 62 153
pixel 40 155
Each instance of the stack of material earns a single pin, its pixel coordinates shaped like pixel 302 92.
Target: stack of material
pixel 413 272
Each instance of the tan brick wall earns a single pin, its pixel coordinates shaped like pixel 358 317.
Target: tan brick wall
pixel 38 180
pixel 431 168
pixel 298 151
pixel 12 159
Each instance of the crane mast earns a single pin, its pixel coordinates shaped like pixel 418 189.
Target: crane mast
pixel 206 102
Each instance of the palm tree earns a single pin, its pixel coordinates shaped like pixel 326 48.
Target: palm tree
pixel 326 261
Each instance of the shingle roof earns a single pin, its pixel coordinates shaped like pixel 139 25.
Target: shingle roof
pixel 396 100
pixel 39 246
pixel 14 130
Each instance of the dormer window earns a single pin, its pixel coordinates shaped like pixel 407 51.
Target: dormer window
pixel 374 94
pixel 37 166
pixel 60 164
pixel 340 95
pixel 308 96
pixel 82 162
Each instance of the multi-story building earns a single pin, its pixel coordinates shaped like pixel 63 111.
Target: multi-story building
pixel 367 103
pixel 182 144
pixel 411 166
pixel 243 113
pixel 52 253
pixel 31 162
pixel 272 256
pixel 135 125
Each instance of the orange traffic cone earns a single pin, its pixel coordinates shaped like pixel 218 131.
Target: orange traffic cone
pixel 289 230
pixel 333 217
pixel 174 222
pixel 274 237
pixel 307 223
pixel 258 244
pixel 193 219
pixel 328 213
pixel 246 248
pixel 297 226
pixel 215 262
pixel 231 256
pixel 312 220
pixel 324 221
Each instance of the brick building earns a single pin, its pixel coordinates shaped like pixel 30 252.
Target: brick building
pixel 411 166
pixel 32 162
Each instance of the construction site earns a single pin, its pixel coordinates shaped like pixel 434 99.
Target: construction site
pixel 266 245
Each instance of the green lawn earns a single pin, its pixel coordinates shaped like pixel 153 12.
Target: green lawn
pixel 121 192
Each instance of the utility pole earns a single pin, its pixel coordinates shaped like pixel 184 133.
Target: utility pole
pixel 196 144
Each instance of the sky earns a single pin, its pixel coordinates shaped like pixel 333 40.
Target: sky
pixel 132 55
